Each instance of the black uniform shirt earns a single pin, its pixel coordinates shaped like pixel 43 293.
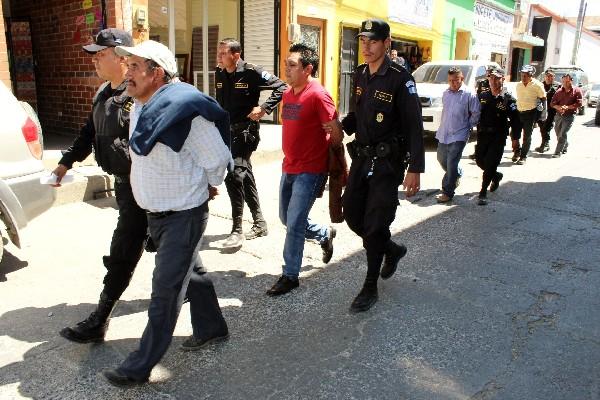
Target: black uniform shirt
pixel 106 132
pixel 387 105
pixel 238 92
pixel 497 112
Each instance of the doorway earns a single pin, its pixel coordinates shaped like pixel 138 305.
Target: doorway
pixel 348 62
pixel 313 33
pixel 463 42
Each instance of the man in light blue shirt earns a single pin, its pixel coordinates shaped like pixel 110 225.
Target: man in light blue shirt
pixel 460 114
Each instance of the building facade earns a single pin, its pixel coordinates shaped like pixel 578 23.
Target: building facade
pixel 331 26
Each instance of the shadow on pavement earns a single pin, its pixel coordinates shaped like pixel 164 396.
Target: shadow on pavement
pixel 490 302
pixel 9 264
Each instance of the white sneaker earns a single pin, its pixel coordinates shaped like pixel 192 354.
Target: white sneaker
pixel 234 240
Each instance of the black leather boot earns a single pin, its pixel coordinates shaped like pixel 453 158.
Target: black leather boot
pixel 94 327
pixel 393 253
pixel 367 297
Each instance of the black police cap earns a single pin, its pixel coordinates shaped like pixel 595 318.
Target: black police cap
pixel 375 29
pixel 110 37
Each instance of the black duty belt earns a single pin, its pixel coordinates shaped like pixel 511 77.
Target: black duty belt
pixel 240 126
pixel 160 214
pixel 381 149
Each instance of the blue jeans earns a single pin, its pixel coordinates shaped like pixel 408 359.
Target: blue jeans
pixel 448 155
pixel 297 194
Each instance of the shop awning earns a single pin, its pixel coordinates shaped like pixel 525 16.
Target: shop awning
pixel 525 40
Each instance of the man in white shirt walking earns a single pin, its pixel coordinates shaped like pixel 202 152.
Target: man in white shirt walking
pixel 177 154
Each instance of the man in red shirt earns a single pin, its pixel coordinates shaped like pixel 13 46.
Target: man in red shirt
pixel 307 111
pixel 566 101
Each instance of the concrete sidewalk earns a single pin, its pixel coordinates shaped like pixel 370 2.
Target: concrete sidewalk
pixel 491 303
pixel 92 183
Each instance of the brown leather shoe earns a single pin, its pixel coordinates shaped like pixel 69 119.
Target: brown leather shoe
pixel 442 198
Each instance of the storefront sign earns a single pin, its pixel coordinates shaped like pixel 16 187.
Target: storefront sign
pixel 412 12
pixel 492 30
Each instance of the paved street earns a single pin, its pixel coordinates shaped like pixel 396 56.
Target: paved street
pixel 491 302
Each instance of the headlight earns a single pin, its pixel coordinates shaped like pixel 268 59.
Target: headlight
pixel 436 102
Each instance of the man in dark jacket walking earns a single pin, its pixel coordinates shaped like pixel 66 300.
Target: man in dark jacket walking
pixel 106 132
pixel 238 86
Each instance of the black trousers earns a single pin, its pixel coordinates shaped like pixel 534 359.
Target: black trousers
pixel 127 242
pixel 241 188
pixel 370 202
pixel 528 119
pixel 547 125
pixel 178 239
pixel 488 154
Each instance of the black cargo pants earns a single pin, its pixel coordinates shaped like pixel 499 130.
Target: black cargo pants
pixel 127 242
pixel 370 202
pixel 240 183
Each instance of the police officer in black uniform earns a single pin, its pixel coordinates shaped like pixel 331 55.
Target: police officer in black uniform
pixel 546 125
pixel 386 119
pixel 483 85
pixel 238 86
pixel 106 132
pixel 498 113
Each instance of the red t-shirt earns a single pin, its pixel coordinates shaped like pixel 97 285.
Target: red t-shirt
pixel 305 143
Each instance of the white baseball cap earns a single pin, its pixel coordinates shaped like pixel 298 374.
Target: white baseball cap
pixel 151 50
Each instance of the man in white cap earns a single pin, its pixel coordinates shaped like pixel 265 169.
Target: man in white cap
pixel 176 154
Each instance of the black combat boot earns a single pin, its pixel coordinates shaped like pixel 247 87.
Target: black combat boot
pixel 367 296
pixel 393 253
pixel 94 327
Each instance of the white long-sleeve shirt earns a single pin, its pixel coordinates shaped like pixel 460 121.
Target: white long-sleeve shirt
pixel 168 181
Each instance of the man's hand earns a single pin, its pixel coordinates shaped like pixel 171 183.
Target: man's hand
pixel 412 183
pixel 213 192
pixel 334 129
pixel 59 171
pixel 256 114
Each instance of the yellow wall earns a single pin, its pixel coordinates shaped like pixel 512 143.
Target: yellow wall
pixel 351 13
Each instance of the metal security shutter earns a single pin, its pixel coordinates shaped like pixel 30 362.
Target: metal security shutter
pixel 259 38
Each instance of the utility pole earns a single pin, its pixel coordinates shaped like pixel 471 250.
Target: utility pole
pixel 580 17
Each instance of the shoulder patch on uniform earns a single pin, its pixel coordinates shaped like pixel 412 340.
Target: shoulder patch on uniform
pixel 412 89
pixel 266 76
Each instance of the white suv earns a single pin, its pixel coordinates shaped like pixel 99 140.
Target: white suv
pixel 22 197
pixel 432 80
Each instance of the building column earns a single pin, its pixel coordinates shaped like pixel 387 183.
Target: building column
pixel 4 69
